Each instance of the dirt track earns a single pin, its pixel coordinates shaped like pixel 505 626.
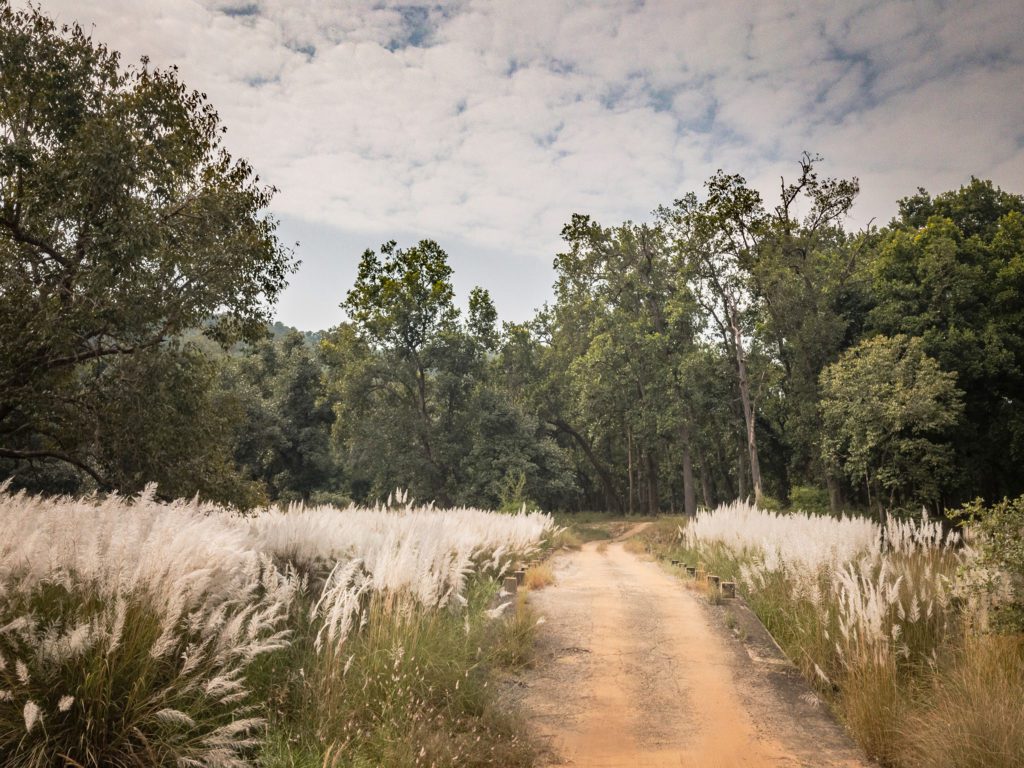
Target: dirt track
pixel 636 670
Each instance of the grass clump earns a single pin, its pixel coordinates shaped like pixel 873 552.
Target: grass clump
pixel 109 688
pixel 563 538
pixel 575 535
pixel 125 634
pixel 539 576
pixel 410 687
pixel 969 715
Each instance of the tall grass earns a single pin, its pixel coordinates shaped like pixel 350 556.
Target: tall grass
pixel 970 713
pixel 139 633
pixel 411 688
pixel 874 615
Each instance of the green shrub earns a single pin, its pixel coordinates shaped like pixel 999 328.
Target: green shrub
pixel 512 493
pixel 1000 562
pixel 807 498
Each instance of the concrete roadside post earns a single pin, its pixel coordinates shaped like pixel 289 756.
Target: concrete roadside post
pixel 510 585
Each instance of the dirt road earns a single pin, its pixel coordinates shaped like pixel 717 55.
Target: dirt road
pixel 636 670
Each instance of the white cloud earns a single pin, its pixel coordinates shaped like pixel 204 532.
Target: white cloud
pixel 489 123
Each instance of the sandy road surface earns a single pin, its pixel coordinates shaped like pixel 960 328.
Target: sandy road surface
pixel 636 670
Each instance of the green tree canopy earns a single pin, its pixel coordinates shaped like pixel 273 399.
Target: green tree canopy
pixel 887 409
pixel 123 222
pixel 285 441
pixel 403 297
pixel 950 272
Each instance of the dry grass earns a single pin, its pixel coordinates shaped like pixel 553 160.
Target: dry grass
pixel 411 689
pixel 972 713
pixel 513 645
pixel 563 538
pixel 539 576
pixel 713 595
pixel 635 545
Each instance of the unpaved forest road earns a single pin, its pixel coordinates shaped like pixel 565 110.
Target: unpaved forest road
pixel 635 669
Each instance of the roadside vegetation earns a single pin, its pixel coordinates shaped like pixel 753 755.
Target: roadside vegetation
pixel 911 633
pixel 140 633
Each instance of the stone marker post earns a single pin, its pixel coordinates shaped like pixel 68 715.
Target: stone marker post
pixel 510 584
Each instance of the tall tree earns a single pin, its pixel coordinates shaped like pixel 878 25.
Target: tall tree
pixel 754 270
pixel 805 273
pixel 402 305
pixel 888 409
pixel 716 239
pixel 123 222
pixel 949 270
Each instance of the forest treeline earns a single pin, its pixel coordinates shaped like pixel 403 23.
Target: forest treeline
pixel 720 350
pixel 729 346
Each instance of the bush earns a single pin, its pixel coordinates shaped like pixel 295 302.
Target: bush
pixel 998 569
pixel 512 494
pixel 807 498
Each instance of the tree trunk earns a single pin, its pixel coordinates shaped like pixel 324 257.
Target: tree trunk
pixel 723 475
pixel 748 409
pixel 835 493
pixel 652 484
pixel 705 483
pixel 689 492
pixel 741 473
pixel 629 468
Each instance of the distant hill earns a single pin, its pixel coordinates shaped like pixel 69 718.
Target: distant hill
pixel 275 331
pixel 279 329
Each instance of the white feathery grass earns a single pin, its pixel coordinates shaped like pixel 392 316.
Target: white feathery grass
pixel 499 609
pixel 216 588
pixel 873 583
pixel 174 717
pixel 31 714
pixel 797 541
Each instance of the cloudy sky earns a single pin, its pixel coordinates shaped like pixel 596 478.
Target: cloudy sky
pixel 485 125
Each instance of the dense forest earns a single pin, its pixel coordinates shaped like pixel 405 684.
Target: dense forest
pixel 732 345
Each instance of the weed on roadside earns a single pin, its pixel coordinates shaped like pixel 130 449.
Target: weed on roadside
pixel 539 576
